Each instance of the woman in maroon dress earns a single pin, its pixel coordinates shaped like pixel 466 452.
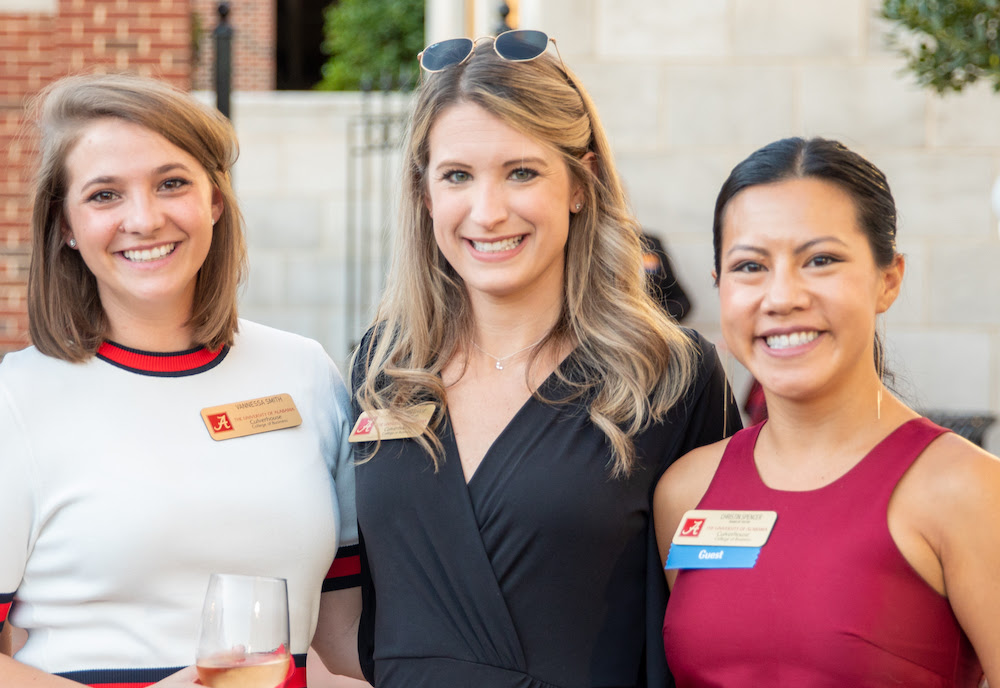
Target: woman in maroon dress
pixel 880 568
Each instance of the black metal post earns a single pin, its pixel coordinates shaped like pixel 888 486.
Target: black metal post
pixel 502 11
pixel 223 35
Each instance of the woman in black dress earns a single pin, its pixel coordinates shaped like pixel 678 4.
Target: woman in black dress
pixel 522 393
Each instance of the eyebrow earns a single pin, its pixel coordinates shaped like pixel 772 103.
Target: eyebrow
pixel 520 162
pixel 513 162
pixel 111 179
pixel 799 249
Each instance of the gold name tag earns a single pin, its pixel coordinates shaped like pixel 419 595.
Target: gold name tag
pixel 250 417
pixel 382 426
pixel 720 528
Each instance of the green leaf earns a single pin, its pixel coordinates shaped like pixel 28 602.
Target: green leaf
pixel 957 41
pixel 367 39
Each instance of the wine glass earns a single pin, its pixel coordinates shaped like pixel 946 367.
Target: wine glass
pixel 244 632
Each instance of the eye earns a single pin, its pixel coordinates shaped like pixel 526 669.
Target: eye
pixel 822 261
pixel 456 176
pixel 103 196
pixel 523 174
pixel 747 266
pixel 174 183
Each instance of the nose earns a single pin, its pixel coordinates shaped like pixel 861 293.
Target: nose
pixel 143 214
pixel 786 291
pixel 489 206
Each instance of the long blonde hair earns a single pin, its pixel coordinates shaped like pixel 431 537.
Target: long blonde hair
pixel 65 316
pixel 633 362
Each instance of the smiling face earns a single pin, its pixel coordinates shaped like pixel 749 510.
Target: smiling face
pixel 500 202
pixel 141 211
pixel 799 288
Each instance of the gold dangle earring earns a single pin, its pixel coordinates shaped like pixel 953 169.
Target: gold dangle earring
pixel 879 363
pixel 878 410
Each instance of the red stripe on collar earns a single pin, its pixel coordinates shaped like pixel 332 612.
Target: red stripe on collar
pixel 145 361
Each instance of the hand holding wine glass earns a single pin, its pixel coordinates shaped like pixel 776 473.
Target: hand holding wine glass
pixel 244 633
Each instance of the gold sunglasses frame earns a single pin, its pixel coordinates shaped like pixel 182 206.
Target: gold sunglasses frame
pixel 473 43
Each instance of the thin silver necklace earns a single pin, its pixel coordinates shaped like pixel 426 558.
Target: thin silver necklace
pixel 501 359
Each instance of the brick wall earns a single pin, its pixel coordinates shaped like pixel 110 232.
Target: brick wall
pixel 254 22
pixel 27 57
pixel 42 40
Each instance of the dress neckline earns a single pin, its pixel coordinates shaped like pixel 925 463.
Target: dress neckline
pixel 859 466
pixel 566 368
pixel 158 364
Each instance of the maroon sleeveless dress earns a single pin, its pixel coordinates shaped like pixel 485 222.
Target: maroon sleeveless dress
pixel 831 601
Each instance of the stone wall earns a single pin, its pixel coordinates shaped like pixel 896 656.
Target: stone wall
pixel 311 199
pixel 687 89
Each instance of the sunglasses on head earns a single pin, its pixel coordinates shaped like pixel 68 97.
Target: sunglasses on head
pixel 519 45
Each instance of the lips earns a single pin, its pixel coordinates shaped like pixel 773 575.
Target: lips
pixel 793 339
pixel 149 254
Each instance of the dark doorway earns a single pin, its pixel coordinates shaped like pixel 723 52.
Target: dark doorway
pixel 299 59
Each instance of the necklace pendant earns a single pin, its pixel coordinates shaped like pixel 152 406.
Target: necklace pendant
pixel 499 367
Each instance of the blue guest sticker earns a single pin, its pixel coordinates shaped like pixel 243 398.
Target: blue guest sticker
pixel 695 557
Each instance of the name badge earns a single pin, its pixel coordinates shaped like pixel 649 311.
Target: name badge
pixel 382 426
pixel 251 417
pixel 712 539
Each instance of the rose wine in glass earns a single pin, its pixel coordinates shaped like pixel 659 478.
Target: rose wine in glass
pixel 244 633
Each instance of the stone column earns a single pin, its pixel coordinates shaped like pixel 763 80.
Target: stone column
pixel 444 19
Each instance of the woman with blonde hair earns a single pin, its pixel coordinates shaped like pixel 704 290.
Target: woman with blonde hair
pixel 520 392
pixel 150 438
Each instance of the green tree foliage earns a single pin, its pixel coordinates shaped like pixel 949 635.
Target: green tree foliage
pixel 370 39
pixel 951 43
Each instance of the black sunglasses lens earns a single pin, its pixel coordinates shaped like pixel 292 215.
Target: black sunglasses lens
pixel 520 45
pixel 441 55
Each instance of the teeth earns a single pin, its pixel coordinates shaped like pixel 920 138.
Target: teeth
pixel 495 246
pixel 786 341
pixel 149 253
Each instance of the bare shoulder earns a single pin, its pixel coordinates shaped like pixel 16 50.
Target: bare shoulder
pixel 688 477
pixel 952 483
pixel 953 470
pixel 952 495
pixel 681 488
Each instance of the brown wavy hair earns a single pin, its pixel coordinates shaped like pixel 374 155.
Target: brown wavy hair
pixel 65 317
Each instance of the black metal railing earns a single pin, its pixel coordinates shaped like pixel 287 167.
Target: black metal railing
pixel 374 143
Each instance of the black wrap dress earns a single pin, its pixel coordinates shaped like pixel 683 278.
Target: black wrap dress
pixel 542 571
